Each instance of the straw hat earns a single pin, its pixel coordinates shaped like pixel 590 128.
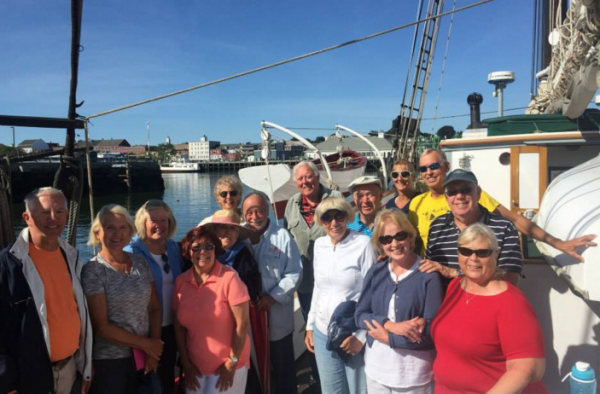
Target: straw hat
pixel 225 216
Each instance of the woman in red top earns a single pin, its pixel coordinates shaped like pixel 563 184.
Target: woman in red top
pixel 211 319
pixel 486 333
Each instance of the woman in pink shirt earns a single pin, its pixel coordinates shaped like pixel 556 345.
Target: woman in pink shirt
pixel 211 305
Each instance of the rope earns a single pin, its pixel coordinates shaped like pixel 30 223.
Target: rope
pixel 437 100
pixel 291 60
pixel 465 115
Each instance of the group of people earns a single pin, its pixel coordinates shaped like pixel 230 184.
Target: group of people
pixel 427 282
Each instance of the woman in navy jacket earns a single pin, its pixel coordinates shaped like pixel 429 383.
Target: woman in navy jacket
pixel 155 226
pixel 396 305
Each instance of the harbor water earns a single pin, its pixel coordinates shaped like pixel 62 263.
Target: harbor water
pixel 190 196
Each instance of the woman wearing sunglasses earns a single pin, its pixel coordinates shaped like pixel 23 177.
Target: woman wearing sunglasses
pixel 155 226
pixel 404 178
pixel 396 306
pixel 237 255
pixel 342 258
pixel 211 306
pixel 486 333
pixel 228 193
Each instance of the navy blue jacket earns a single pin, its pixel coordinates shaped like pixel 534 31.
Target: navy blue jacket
pixel 418 294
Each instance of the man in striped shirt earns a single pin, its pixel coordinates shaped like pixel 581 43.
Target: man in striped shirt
pixel 462 194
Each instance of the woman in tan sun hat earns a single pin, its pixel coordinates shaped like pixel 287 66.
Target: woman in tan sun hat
pixel 225 224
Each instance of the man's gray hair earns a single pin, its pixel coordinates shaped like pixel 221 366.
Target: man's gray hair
pixel 262 195
pixel 32 198
pixel 440 153
pixel 309 164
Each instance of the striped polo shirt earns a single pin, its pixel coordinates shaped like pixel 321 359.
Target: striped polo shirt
pixel 442 246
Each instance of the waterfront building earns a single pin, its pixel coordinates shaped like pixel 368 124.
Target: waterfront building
pixel 200 150
pixel 34 146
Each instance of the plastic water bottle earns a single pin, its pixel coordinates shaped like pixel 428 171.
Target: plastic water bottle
pixel 583 379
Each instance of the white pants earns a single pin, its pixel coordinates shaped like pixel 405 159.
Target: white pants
pixel 208 384
pixel 374 387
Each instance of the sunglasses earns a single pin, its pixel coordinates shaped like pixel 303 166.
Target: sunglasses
pixel 339 216
pixel 478 252
pixel 207 247
pixel 463 190
pixel 232 193
pixel 403 174
pixel 432 167
pixel 399 237
pixel 165 260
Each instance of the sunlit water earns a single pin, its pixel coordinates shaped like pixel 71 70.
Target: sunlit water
pixel 190 197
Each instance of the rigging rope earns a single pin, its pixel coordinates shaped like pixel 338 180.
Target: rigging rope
pixel 291 60
pixel 437 100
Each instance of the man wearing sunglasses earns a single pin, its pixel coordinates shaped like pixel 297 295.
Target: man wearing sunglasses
pixel 462 194
pixel 367 194
pixel 281 272
pixel 424 208
pixel 299 220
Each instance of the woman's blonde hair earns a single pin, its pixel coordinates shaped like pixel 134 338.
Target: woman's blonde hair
pixel 397 217
pixel 143 213
pixel 478 231
pixel 333 203
pixel 406 164
pixel 101 217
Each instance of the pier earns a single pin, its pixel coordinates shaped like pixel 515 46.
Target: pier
pixel 234 166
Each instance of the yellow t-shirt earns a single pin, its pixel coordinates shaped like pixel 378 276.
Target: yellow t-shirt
pixel 63 315
pixel 424 208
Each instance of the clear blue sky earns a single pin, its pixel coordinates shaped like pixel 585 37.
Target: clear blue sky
pixel 140 49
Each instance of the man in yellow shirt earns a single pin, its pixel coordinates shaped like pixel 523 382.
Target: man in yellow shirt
pixel 424 208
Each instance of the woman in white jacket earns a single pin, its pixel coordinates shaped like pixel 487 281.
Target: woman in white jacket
pixel 342 259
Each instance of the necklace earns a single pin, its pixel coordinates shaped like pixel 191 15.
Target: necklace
pixel 469 299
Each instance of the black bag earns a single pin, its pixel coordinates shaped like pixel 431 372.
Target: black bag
pixel 341 326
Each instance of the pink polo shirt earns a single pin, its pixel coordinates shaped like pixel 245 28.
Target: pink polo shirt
pixel 205 312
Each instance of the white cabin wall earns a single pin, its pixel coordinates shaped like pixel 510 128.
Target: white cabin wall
pixel 571 326
pixel 493 177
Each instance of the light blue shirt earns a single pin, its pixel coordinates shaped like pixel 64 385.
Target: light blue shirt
pixel 281 271
pixel 360 227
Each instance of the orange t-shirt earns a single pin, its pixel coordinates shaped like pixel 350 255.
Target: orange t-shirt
pixel 62 312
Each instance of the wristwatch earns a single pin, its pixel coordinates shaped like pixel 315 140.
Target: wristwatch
pixel 234 359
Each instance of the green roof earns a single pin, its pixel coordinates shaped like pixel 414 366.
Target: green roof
pixel 548 123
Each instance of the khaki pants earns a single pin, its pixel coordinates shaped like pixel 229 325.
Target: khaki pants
pixel 64 376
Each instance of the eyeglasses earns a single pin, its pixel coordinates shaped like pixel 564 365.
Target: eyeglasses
pixel 432 167
pixel 207 247
pixel 403 174
pixel 232 193
pixel 339 216
pixel 478 252
pixel 399 237
pixel 463 190
pixel 165 260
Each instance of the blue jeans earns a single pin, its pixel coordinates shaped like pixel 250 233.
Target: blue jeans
pixel 283 363
pixel 305 301
pixel 337 376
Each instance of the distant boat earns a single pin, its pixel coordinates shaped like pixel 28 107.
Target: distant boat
pixel 180 167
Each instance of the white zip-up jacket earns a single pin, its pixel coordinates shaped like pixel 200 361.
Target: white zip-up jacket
pixel 339 273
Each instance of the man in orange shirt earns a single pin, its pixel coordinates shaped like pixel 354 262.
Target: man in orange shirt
pixel 45 330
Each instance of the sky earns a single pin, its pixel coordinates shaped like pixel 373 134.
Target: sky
pixel 134 50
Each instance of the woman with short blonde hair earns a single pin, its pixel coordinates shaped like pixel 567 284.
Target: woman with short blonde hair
pixel 396 306
pixel 123 305
pixel 155 226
